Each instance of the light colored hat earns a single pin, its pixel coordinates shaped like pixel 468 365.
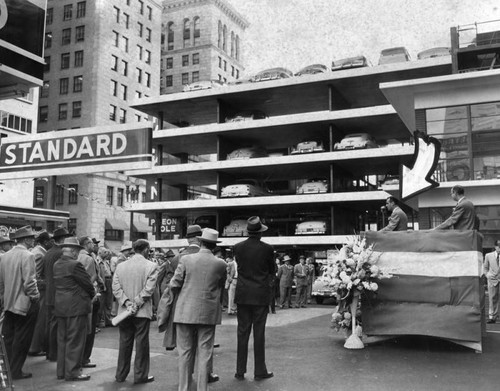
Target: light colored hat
pixel 24 232
pixel 286 258
pixel 71 242
pixel 4 239
pixel 210 235
pixel 126 247
pixel 254 225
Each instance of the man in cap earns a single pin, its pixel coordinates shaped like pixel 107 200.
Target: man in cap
pixel 6 244
pixel 39 342
pixel 255 260
pixel 134 283
pixel 74 293
pixel 47 274
pixel 19 295
pixel 199 279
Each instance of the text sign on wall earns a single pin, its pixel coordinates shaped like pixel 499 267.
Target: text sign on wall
pixel 77 151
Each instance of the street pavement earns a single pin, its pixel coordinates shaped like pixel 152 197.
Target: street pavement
pixel 305 354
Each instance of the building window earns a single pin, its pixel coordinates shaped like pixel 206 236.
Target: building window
pixel 237 47
pixel 140 28
pixel 127 20
pixel 44 91
pixel 123 116
pixel 77 109
pixel 237 74
pixel 73 194
pixel 232 43
pixel 39 196
pixel 43 113
pixel 225 65
pixel 219 35
pixel 169 81
pixel 116 14
pixel 116 38
pixel 196 58
pixel 78 58
pixel 139 75
pixel 148 57
pixel 48 40
pixel 63 111
pixel 124 68
pixel 81 9
pixel 139 48
pixel 114 88
pixel 185 78
pixel 170 62
pixel 68 12
pixel 224 38
pixel 114 235
pixel 66 37
pixel 220 63
pixel 148 34
pixel 141 7
pixel 109 195
pixel 63 86
pixel 196 32
pixel 232 71
pixel 148 79
pixel 170 36
pixel 119 197
pixel 78 83
pixel 186 33
pixel 49 16
pixel 80 33
pixel 150 13
pixel 138 94
pixel 65 61
pixel 112 112
pixel 125 44
pixel 185 60
pixel 195 76
pixel 59 195
pixel 124 91
pixel 138 118
pixel 72 225
pixel 46 67
pixel 114 63
pixel 11 121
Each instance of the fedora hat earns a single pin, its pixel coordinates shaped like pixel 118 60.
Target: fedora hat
pixel 193 230
pixel 254 225
pixel 4 239
pixel 286 258
pixel 43 236
pixel 210 235
pixel 95 241
pixel 60 233
pixel 126 246
pixel 170 254
pixel 24 232
pixel 71 242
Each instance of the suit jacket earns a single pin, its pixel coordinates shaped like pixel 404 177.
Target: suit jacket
pixel 398 221
pixel 167 269
pixel 18 280
pixel 200 278
pixel 285 276
pixel 47 273
pixel 301 272
pixel 135 280
pixel 73 288
pixel 39 252
pixel 463 217
pixel 491 269
pixel 255 260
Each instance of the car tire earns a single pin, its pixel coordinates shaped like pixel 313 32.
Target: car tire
pixel 319 299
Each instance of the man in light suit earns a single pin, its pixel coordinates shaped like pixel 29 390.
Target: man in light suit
pixel 20 300
pixel 398 221
pixel 199 279
pixel 134 283
pixel 492 272
pixel 301 272
pixel 463 216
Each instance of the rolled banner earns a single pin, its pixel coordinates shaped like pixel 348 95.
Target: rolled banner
pixel 118 318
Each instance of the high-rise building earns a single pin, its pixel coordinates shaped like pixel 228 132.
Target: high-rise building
pixel 201 40
pixel 99 55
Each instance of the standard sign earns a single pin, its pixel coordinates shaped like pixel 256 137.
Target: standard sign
pixel 77 151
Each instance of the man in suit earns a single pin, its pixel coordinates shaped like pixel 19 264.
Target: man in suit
pixel 74 292
pixel 199 279
pixel 255 260
pixel 134 283
pixel 47 275
pixel 285 277
pixel 231 280
pixel 20 300
pixel 398 220
pixel 492 272
pixel 301 272
pixel 463 216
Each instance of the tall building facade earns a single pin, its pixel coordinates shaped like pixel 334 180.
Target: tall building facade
pixel 201 40
pixel 99 55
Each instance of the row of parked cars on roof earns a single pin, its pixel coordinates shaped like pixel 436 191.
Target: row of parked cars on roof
pixel 387 56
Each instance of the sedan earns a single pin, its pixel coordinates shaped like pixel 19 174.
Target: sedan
pixel 308 146
pixel 237 227
pixel 247 115
pixel 321 290
pixel 247 153
pixel 244 188
pixel 314 186
pixel 350 62
pixel 356 141
pixel 434 52
pixel 203 85
pixel 313 227
pixel 312 70
pixel 272 74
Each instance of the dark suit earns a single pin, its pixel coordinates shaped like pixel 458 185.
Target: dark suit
pixel 463 217
pixel 72 304
pixel 398 220
pixel 255 260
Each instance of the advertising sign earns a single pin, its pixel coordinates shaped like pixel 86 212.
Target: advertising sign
pixel 77 151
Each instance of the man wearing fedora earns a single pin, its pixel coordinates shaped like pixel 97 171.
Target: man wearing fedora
pixel 47 275
pixel 285 277
pixel 199 280
pixel 20 300
pixel 133 285
pixel 255 260
pixel 73 296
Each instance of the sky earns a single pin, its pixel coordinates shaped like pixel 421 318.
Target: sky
pixel 297 33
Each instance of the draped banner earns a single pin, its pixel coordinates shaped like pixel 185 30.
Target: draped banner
pixel 436 289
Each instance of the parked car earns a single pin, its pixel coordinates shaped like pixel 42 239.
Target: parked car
pixel 434 52
pixel 237 227
pixel 312 70
pixel 321 290
pixel 392 55
pixel 390 180
pixel 272 74
pixel 311 227
pixel 244 188
pixel 202 85
pixel 350 62
pixel 313 186
pixel 247 115
pixel 247 153
pixel 207 221
pixel 308 146
pixel 356 141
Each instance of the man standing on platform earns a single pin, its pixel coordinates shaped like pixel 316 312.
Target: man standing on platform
pixel 301 272
pixel 133 285
pixel 492 272
pixel 20 300
pixel 255 260
pixel 463 216
pixel 398 220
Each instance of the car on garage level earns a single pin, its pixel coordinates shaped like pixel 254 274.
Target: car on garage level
pixel 272 74
pixel 246 115
pixel 202 85
pixel 313 186
pixel 247 153
pixel 311 227
pixel 308 146
pixel 237 227
pixel 350 62
pixel 244 188
pixel 356 141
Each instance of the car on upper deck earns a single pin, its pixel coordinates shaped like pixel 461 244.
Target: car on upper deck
pixel 312 69
pixel 202 85
pixel 247 153
pixel 244 188
pixel 272 74
pixel 307 146
pixel 393 55
pixel 434 52
pixel 349 63
pixel 356 141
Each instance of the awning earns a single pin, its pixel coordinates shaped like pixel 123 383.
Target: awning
pixel 35 214
pixel 117 225
pixel 139 226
